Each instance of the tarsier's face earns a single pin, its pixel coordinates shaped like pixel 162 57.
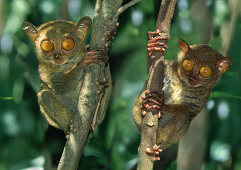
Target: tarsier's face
pixel 201 65
pixel 58 42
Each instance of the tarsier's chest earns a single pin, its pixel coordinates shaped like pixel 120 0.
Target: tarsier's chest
pixel 54 82
pixel 176 91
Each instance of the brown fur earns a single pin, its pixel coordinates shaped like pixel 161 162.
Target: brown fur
pixel 182 100
pixel 62 82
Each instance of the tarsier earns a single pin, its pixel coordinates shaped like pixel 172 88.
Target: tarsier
pixel 186 87
pixel 62 55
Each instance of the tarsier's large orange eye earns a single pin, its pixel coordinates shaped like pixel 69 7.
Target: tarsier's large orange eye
pixel 205 72
pixel 47 45
pixel 68 44
pixel 187 65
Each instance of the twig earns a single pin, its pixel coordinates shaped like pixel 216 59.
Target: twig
pixel 28 76
pixel 64 14
pixel 155 83
pixel 126 6
pixel 103 22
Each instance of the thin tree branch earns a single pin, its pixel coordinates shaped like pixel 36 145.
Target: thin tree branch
pixel 103 22
pixel 155 83
pixel 64 14
pixel 28 76
pixel 1 17
pixel 126 6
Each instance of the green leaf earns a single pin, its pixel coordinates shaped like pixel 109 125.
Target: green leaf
pixel 6 98
pixel 219 94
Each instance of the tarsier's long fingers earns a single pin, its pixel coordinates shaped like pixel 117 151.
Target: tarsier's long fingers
pixel 70 128
pixel 104 84
pixel 154 153
pixel 110 35
pixel 157 101
pixel 97 57
pixel 152 100
pixel 154 43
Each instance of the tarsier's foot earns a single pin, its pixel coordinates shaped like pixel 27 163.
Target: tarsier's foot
pixel 154 43
pixel 104 84
pixel 152 100
pixel 98 57
pixel 70 128
pixel 154 152
pixel 110 35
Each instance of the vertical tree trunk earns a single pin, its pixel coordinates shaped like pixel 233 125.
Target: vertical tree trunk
pixel 1 18
pixel 192 146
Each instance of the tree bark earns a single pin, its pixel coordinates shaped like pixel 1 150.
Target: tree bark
pixel 104 21
pixel 154 83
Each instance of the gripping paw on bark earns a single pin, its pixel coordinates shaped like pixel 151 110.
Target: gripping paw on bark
pixel 98 57
pixel 154 152
pixel 152 100
pixel 70 128
pixel 104 84
pixel 154 43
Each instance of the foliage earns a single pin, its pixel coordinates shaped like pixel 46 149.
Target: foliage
pixel 24 134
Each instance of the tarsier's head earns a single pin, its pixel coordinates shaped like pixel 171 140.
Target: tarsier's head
pixel 58 42
pixel 201 65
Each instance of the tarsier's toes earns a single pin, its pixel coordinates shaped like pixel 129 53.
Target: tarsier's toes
pixel 152 100
pixel 70 128
pixel 98 57
pixel 154 152
pixel 110 35
pixel 104 84
pixel 154 43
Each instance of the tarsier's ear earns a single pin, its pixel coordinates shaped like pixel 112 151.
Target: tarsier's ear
pixel 30 30
pixel 183 45
pixel 223 64
pixel 83 26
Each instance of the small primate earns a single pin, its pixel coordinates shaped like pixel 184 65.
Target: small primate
pixel 186 87
pixel 62 55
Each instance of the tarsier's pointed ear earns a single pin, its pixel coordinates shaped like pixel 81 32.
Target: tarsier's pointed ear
pixel 183 45
pixel 30 30
pixel 83 26
pixel 223 64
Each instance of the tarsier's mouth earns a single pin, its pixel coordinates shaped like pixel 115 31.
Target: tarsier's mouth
pixel 192 81
pixel 59 60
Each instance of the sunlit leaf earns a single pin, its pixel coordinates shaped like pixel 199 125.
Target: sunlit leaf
pixel 6 98
pixel 219 94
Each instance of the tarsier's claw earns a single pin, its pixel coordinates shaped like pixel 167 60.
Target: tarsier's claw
pixel 154 152
pixel 154 43
pixel 143 112
pixel 67 135
pixel 152 100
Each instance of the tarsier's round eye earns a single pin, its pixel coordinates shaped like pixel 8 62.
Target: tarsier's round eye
pixel 68 44
pixel 205 72
pixel 47 45
pixel 187 65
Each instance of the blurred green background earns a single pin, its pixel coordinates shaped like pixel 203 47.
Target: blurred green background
pixel 27 142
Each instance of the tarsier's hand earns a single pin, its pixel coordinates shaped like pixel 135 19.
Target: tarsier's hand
pixel 152 100
pixel 98 57
pixel 154 43
pixel 154 152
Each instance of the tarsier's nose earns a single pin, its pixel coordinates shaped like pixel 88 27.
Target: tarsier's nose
pixel 57 55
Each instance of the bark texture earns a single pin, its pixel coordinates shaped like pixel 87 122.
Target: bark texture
pixel 154 83
pixel 105 19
